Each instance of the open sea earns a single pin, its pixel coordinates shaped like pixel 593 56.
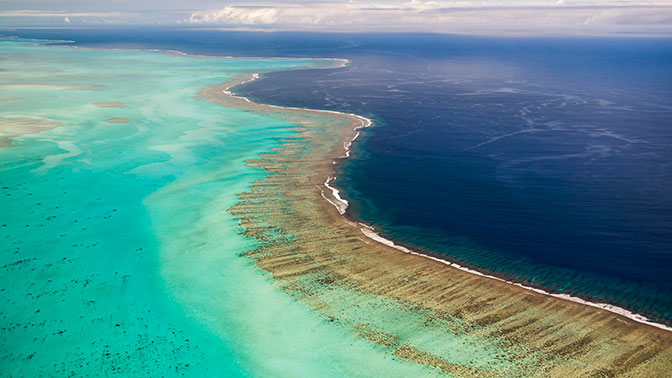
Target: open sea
pixel 544 160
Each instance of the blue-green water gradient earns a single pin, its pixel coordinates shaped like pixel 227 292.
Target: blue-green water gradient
pixel 118 254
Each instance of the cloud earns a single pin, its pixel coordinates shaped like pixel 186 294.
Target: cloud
pixel 447 16
pixel 49 17
pixel 237 15
pixel 60 14
pixel 311 14
pixel 441 16
pixel 318 13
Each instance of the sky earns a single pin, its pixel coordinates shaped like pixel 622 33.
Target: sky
pixel 534 17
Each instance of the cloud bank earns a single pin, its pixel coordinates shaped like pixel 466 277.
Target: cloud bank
pixel 50 18
pixel 528 17
pixel 446 16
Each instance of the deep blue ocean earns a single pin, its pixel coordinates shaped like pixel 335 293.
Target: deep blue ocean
pixel 544 160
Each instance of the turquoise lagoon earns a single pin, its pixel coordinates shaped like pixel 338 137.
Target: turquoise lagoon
pixel 118 254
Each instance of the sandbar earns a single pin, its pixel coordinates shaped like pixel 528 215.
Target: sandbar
pixel 13 127
pixel 50 86
pixel 118 120
pixel 110 104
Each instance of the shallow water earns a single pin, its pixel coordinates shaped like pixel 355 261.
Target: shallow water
pixel 119 255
